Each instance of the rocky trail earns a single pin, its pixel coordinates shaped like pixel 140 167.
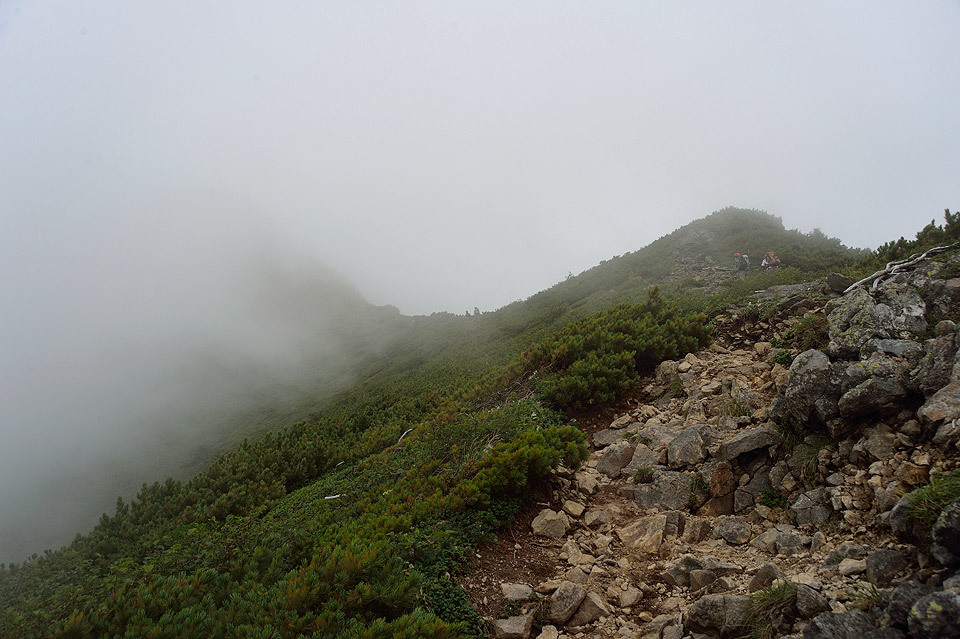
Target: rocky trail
pixel 733 497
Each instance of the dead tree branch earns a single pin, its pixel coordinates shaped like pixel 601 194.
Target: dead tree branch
pixel 893 268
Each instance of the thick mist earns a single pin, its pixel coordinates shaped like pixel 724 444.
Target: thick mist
pixel 143 345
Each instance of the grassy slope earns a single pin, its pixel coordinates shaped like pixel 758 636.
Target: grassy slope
pixel 259 512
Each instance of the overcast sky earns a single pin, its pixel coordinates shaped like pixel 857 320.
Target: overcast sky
pixel 442 155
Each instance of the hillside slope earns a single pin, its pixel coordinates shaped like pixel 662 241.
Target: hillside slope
pixel 350 522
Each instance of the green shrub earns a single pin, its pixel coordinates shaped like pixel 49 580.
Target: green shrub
pixel 784 358
pixel 592 362
pixel 772 499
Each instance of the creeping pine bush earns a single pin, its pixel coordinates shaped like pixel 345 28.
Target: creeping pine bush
pixel 592 362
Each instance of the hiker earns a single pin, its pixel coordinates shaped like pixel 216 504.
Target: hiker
pixel 743 263
pixel 476 311
pixel 770 261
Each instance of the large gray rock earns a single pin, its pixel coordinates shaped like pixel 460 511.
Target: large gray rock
pixel 909 309
pixel 904 527
pixel 749 441
pixel 614 457
pixel 733 530
pixel 876 397
pixel 765 575
pixel 809 602
pixel 607 436
pixel 591 609
pixel 810 394
pixel 564 602
pixel 947 434
pixel 838 283
pixel 643 457
pixel 945 536
pixel 647 534
pixel 679 573
pixel 942 296
pixel 839 625
pixel 550 523
pixel 942 406
pixel 910 351
pixel 669 490
pixel 854 320
pixel 689 447
pixel 518 627
pixel 884 565
pixel 901 600
pixel 936 616
pixel 812 507
pixel 877 365
pixel 723 615
pixel 516 592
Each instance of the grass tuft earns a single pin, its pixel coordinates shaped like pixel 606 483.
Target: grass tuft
pixel 765 604
pixel 927 502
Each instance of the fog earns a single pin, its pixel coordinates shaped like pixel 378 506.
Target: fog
pixel 180 183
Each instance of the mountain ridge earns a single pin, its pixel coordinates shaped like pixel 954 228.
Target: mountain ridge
pixel 478 439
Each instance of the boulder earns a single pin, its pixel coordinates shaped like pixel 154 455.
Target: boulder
pixel 564 602
pixel 630 597
pixel 669 490
pixel 839 283
pixel 550 523
pixel 586 482
pixel 879 442
pixel 854 320
pixel 573 508
pixel 942 296
pixel 877 396
pixel 594 518
pixel 516 592
pixel 518 627
pixel 591 609
pixel 839 625
pixel 884 565
pixel 810 394
pixel 647 534
pixel 765 575
pixel 850 566
pixel 945 536
pixel 701 578
pixel 909 309
pixel 936 616
pixel 722 482
pixel 679 573
pixel 643 457
pixel 749 441
pixel 908 350
pixel 605 437
pixel 614 457
pixel 549 632
pixel 723 615
pixel 942 406
pixel 689 447
pixel 810 603
pixel 732 529
pixel 934 370
pixel 947 434
pixel 901 600
pixel 812 507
